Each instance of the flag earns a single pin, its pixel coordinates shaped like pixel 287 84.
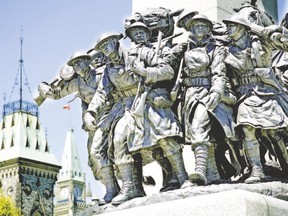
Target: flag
pixel 66 106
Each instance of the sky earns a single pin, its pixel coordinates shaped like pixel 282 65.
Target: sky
pixel 52 31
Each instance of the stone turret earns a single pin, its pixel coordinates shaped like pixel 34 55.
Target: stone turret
pixel 28 168
pixel 70 190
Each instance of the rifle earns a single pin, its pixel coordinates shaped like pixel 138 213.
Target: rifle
pixel 280 34
pixel 39 99
pixel 160 35
pixel 176 87
pixel 138 110
pixel 172 36
pixel 160 41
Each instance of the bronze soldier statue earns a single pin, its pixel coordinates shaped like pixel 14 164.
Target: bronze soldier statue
pixel 262 100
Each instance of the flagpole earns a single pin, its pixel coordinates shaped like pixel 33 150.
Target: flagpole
pixel 70 111
pixel 67 107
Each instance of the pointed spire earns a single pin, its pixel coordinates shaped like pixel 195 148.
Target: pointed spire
pixel 4 97
pixel 71 166
pixel 21 134
pixel 20 104
pixel 21 67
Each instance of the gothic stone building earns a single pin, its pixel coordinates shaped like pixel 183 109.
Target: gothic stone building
pixel 28 170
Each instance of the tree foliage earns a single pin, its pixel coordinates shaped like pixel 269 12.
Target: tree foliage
pixel 7 206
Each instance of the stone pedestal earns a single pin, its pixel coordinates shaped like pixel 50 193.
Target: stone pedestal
pixel 235 202
pixel 269 198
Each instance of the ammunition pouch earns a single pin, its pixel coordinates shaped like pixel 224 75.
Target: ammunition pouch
pixel 125 93
pixel 260 75
pixel 245 80
pixel 194 82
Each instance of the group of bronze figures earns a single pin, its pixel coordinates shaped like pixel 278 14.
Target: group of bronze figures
pixel 221 90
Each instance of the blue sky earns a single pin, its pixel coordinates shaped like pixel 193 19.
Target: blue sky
pixel 53 30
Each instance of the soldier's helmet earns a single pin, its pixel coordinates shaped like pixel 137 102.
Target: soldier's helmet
pixel 78 55
pixel 137 25
pixel 244 5
pixel 237 19
pixel 98 58
pixel 184 17
pixel 199 17
pixel 107 37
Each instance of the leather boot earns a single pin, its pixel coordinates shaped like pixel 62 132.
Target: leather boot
pixel 212 170
pixel 170 180
pixel 178 167
pixel 236 156
pixel 252 152
pixel 138 175
pixel 128 190
pixel 201 155
pixel 279 147
pixel 111 184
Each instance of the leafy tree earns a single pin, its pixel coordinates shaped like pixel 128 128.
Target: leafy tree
pixel 7 206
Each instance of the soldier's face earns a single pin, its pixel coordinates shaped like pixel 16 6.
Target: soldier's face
pixel 100 59
pixel 138 35
pixel 232 30
pixel 200 29
pixel 81 67
pixel 108 47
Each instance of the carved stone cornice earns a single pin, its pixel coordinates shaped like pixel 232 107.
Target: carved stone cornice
pixel 27 166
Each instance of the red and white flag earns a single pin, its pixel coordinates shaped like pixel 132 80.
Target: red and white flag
pixel 66 106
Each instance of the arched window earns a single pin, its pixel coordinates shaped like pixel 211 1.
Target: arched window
pixel 27 145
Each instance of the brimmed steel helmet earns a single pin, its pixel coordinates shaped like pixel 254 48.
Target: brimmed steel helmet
pixel 244 5
pixel 238 19
pixel 137 25
pixel 78 55
pixel 184 17
pixel 199 17
pixel 106 37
